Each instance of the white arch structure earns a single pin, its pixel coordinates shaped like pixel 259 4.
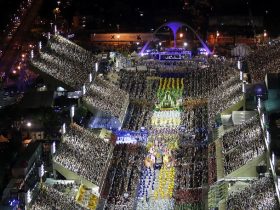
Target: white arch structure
pixel 174 26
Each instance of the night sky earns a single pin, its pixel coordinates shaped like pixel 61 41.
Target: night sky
pixel 126 13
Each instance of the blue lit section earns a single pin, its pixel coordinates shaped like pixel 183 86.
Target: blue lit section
pixel 132 137
pixel 110 123
pixel 13 202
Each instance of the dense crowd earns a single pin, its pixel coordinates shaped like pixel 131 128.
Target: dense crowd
pixel 106 97
pixel 258 195
pixel 242 144
pixel 84 153
pixel 182 66
pixel 212 166
pixel 124 175
pixel 223 97
pixel 137 116
pixel 185 162
pixel 138 84
pixel 213 74
pixel 192 158
pixel 264 59
pixel 50 198
pixel 65 61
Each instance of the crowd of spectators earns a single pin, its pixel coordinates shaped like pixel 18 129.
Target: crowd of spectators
pixel 223 97
pixel 192 158
pixel 106 97
pixel 137 116
pixel 212 166
pixel 137 84
pixel 191 161
pixel 84 153
pixel 201 81
pixel 258 195
pixel 51 198
pixel 189 196
pixel 162 66
pixel 65 61
pixel 242 144
pixel 264 59
pixel 124 175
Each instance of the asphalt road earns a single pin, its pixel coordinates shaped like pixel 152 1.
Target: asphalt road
pixel 20 38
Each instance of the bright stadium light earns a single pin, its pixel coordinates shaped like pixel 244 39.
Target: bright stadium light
pixel 32 54
pixel 239 64
pixel 53 148
pixel 72 111
pixel 63 128
pixel 96 66
pixel 90 77
pixel 84 89
pixel 55 29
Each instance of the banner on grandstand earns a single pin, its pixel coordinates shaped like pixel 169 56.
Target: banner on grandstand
pixel 132 137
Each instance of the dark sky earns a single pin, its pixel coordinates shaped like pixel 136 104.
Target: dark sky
pixel 127 12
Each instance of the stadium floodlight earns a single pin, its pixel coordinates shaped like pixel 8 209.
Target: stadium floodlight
pixel 243 88
pixel 55 29
pixel 72 111
pixel 63 128
pixel 90 77
pixel 239 64
pixel 32 54
pixel 96 66
pixel 84 90
pixel 41 170
pixel 53 148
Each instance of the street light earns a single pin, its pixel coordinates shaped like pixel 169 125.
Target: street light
pixel 29 124
pixel 217 34
pixel 181 35
pixel 185 44
pixel 264 33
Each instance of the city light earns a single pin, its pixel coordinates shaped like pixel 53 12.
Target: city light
pixel 181 35
pixel 264 33
pixel 29 124
pixel 185 44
